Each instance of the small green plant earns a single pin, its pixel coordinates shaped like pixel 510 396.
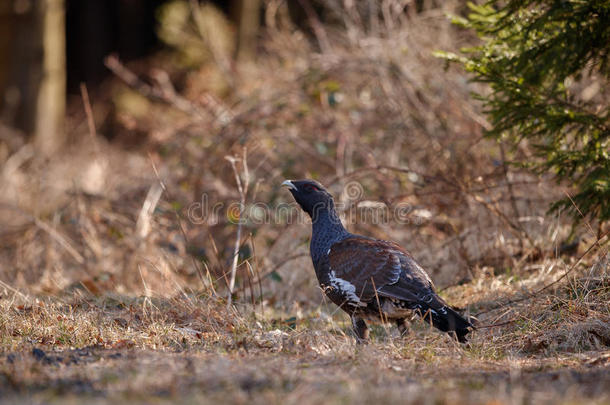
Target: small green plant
pixel 547 64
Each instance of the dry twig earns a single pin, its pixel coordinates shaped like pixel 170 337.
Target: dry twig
pixel 242 188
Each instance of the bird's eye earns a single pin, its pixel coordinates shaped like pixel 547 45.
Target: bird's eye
pixel 309 187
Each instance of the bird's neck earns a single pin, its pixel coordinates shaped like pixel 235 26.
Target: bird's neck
pixel 326 230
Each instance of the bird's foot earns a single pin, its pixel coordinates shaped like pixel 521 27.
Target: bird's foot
pixel 361 341
pixel 361 330
pixel 403 327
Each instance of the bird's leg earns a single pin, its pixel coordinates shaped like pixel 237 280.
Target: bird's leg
pixel 403 327
pixel 360 328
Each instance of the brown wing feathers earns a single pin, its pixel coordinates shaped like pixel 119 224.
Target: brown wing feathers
pixel 364 263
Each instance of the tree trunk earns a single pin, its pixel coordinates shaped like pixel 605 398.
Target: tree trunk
pixel 248 18
pixel 50 133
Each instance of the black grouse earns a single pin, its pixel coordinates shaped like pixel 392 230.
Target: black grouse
pixel 368 277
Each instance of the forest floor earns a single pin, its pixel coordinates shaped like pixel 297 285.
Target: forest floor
pixel 375 373
pixel 188 349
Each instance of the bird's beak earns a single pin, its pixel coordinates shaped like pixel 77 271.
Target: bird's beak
pixel 288 183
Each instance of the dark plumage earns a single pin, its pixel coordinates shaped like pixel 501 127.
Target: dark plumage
pixel 366 276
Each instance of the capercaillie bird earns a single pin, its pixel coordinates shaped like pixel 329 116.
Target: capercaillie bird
pixel 368 278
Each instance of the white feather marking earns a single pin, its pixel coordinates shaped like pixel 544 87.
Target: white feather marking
pixel 346 288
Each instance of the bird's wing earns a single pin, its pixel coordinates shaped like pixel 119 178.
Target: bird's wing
pixel 365 265
pixel 413 286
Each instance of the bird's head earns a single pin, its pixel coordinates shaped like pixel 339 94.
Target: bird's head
pixel 310 195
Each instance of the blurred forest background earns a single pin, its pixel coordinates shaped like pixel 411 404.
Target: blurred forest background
pixel 122 120
pixel 95 94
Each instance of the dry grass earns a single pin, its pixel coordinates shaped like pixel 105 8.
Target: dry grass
pixel 111 292
pixel 192 348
